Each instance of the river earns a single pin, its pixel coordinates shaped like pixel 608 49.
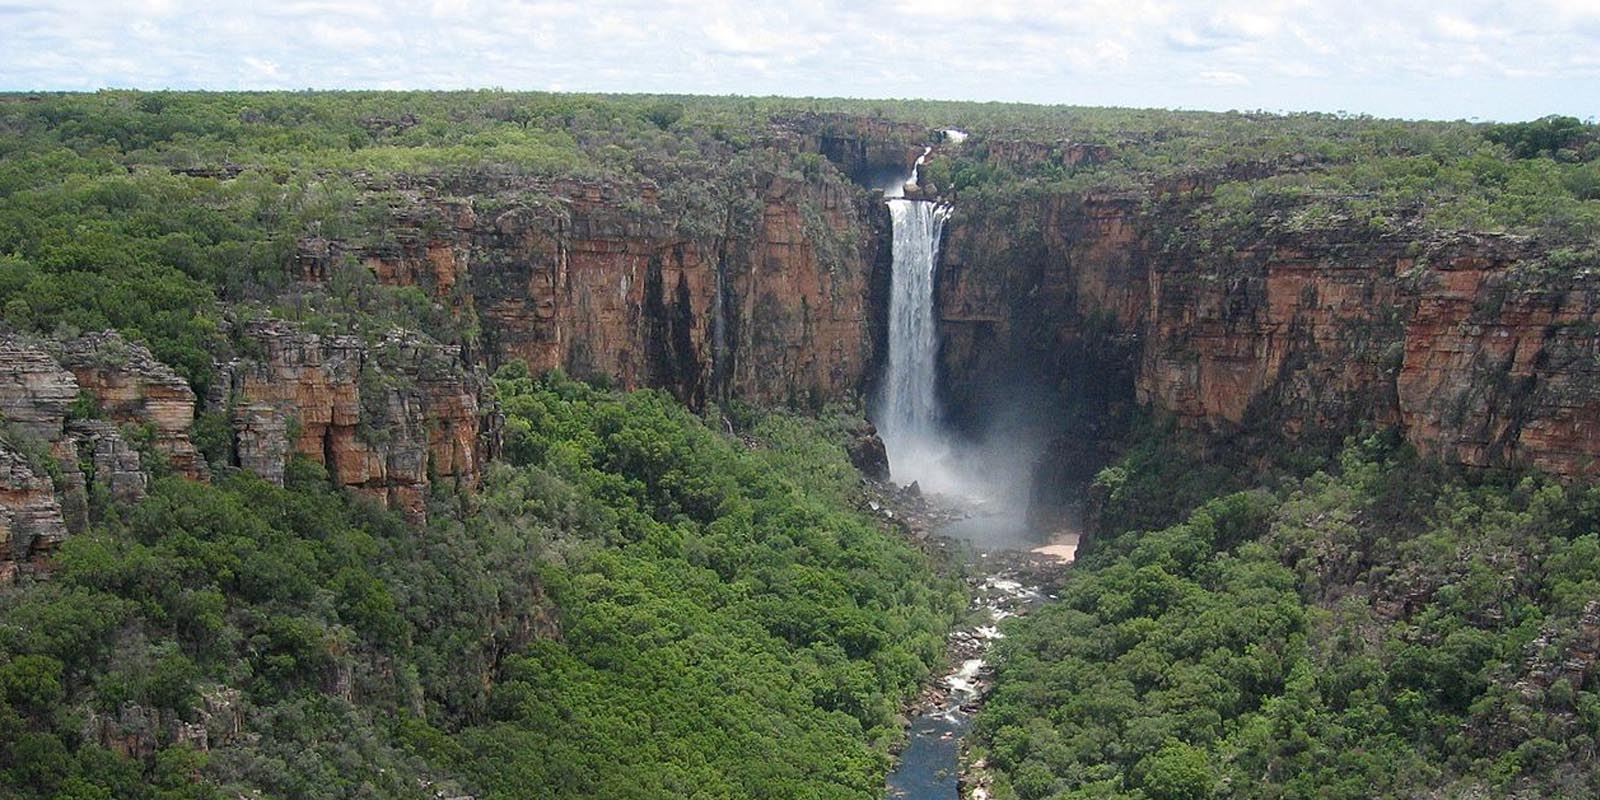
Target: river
pixel 1008 562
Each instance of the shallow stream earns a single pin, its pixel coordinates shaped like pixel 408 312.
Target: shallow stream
pixel 1008 556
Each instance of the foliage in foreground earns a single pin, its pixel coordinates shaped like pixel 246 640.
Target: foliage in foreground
pixel 737 636
pixel 636 607
pixel 1376 630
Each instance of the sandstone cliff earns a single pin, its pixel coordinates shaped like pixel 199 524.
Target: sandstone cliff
pixel 386 419
pixel 764 294
pixel 1478 354
pixel 82 418
pixel 130 387
pixel 31 521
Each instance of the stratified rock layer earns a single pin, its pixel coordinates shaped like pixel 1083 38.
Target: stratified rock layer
pixel 31 523
pixel 386 419
pixel 131 387
pixel 1460 340
pixel 768 299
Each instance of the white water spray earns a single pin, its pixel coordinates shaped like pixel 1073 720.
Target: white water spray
pixel 992 470
pixel 909 416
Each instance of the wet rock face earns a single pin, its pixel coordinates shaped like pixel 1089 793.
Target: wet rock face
pixel 385 419
pixel 867 453
pixel 1456 339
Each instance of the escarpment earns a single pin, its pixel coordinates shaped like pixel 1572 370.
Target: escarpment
pixel 763 295
pixel 767 280
pixel 1465 342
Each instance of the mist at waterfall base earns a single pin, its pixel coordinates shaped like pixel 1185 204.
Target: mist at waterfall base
pixel 990 472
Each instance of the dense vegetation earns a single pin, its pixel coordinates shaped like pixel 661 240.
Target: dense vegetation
pixel 634 606
pixel 168 215
pixel 1306 170
pixel 1381 628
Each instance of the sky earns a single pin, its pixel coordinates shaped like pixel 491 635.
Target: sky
pixel 1442 59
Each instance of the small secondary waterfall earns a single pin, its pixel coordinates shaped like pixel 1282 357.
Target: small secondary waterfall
pixel 908 414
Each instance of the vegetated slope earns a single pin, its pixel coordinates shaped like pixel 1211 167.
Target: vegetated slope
pixel 1381 628
pixel 634 606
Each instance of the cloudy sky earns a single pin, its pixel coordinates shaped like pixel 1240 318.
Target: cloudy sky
pixel 1409 58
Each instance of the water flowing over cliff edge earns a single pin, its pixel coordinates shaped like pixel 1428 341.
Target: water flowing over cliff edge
pixel 908 415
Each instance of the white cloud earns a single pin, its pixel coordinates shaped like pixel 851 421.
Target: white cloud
pixel 1461 30
pixel 1451 58
pixel 1219 77
pixel 263 67
pixel 343 36
pixel 1246 24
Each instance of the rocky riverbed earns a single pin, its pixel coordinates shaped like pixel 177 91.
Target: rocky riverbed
pixel 1011 567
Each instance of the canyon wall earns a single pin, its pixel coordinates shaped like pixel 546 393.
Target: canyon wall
pixel 756 281
pixel 1466 343
pixel 764 296
pixel 770 282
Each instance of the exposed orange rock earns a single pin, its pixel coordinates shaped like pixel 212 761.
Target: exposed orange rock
pixel 40 502
pixel 386 419
pixel 598 279
pixel 132 387
pixel 1457 339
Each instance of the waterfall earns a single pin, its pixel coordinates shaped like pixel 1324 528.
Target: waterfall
pixel 719 328
pixel 908 413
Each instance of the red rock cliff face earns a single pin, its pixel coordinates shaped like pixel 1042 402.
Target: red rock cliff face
pixel 131 387
pixel 388 419
pixel 602 281
pixel 1459 340
pixel 44 488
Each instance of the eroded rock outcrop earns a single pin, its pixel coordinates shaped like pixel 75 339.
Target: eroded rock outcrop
pixel 54 456
pixel 386 418
pixel 115 463
pixel 31 521
pixel 131 387
pixel 36 393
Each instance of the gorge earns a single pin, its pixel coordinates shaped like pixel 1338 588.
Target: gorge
pixel 552 441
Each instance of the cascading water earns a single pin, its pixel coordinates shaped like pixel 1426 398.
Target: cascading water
pixel 908 414
pixel 981 477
